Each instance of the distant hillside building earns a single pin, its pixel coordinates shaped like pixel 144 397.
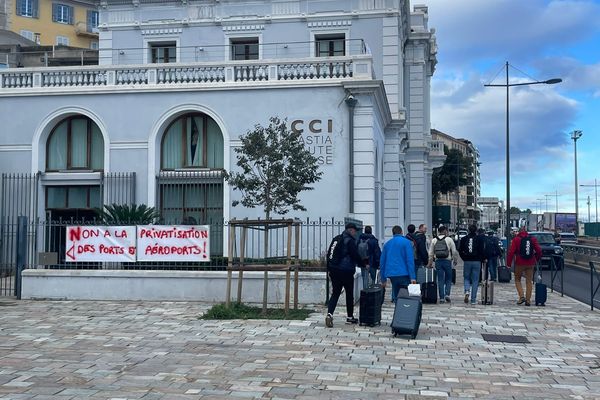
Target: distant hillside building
pixel 65 22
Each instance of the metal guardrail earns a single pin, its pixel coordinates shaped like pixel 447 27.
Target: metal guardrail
pixel 593 291
pixel 581 254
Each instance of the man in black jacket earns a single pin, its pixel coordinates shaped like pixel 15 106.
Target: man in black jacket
pixel 420 245
pixel 472 252
pixel 371 256
pixel 342 275
pixel 492 252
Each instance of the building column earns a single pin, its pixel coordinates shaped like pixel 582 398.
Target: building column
pixel 364 164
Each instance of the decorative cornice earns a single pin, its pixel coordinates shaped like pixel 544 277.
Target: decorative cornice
pixel 162 31
pixel 129 145
pixel 329 24
pixel 240 28
pixel 15 147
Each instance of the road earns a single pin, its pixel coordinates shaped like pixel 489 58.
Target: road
pixel 576 283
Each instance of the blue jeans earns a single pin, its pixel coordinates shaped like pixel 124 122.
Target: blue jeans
pixel 492 265
pixel 444 275
pixel 471 275
pixel 398 282
pixel 365 278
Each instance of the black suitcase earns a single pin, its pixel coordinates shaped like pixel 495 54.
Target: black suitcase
pixel 541 294
pixel 541 290
pixel 371 300
pixel 429 288
pixel 504 274
pixel 407 316
pixel 487 288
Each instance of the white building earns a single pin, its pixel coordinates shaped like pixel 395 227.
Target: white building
pixel 178 82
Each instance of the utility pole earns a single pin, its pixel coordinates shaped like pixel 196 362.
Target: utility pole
pixel 595 186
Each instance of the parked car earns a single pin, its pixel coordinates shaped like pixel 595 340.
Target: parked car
pixel 550 250
pixel 568 238
pixel 459 235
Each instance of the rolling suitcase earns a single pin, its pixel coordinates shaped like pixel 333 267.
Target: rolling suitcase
pixel 504 274
pixel 371 300
pixel 541 290
pixel 407 316
pixel 487 289
pixel 429 289
pixel 454 276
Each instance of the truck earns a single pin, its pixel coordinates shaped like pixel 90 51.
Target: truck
pixel 560 222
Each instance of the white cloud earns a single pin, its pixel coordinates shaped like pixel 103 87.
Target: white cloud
pixel 543 38
pixel 514 30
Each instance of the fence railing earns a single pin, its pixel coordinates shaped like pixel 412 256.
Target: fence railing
pixel 140 75
pixel 45 248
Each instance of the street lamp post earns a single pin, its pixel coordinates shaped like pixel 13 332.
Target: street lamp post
pixel 576 135
pixel 508 85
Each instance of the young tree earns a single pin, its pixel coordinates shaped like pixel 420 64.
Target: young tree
pixel 275 168
pixel 455 172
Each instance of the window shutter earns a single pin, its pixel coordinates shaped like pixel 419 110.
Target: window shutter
pixel 88 23
pixel 19 5
pixel 71 15
pixel 34 9
pixel 54 12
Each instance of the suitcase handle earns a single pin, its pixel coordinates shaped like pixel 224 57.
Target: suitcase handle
pixel 427 275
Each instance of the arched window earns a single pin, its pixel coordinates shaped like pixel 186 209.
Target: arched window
pixel 76 143
pixel 192 141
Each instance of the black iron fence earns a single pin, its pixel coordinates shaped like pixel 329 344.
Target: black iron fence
pixel 45 245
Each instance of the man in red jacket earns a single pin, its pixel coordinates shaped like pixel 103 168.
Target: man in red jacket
pixel 526 252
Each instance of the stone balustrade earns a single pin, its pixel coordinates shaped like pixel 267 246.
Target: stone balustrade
pixel 339 68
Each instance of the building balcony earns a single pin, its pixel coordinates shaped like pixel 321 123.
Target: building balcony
pixel 195 74
pixel 84 29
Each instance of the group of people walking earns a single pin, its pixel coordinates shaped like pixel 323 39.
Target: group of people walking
pixel 403 255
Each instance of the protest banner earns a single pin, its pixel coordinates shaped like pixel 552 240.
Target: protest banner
pixel 100 243
pixel 173 243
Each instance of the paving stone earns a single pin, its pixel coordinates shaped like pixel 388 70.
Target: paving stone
pixel 161 351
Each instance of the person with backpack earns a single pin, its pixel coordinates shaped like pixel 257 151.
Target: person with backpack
pixel 419 243
pixel 472 252
pixel 492 252
pixel 397 262
pixel 342 258
pixel 370 253
pixel 525 251
pixel 443 252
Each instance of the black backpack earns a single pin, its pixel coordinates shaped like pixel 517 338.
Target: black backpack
pixel 335 252
pixel 363 249
pixel 526 250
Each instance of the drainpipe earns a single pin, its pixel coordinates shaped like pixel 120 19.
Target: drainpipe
pixel 351 103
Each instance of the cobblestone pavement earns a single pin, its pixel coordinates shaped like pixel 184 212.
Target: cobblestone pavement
pixel 144 350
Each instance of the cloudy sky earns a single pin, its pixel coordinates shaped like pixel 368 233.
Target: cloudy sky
pixel 541 39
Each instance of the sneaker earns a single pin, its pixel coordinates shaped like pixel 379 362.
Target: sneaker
pixel 442 301
pixel 351 320
pixel 329 321
pixel 447 299
pixel 466 297
pixel 473 303
pixel 527 303
pixel 521 301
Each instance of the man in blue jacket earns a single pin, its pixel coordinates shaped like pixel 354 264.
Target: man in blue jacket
pixel 341 274
pixel 397 262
